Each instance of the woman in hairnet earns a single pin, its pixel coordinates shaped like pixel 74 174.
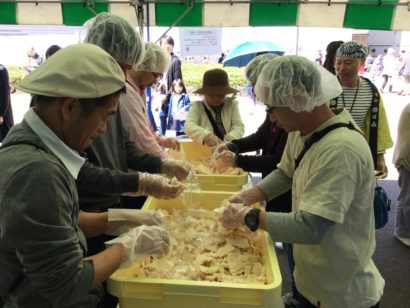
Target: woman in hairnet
pixel 133 110
pixel 114 150
pixel 133 105
pixel 328 165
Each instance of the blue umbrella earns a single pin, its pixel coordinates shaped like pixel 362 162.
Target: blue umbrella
pixel 242 54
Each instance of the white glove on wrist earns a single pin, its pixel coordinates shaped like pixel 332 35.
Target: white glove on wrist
pixel 141 242
pixel 177 168
pixel 122 220
pixel 158 186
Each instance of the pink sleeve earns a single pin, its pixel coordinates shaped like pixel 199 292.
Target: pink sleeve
pixel 134 117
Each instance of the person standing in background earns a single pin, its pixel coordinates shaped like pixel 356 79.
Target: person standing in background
pixel 357 96
pixel 401 159
pixel 406 75
pixel 52 50
pixel 330 57
pixel 178 107
pixel 389 68
pixel 6 113
pixel 174 72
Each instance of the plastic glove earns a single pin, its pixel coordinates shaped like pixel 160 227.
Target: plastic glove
pixel 169 142
pixel 236 198
pixel 211 140
pixel 221 147
pixel 122 220
pixel 143 241
pixel 158 186
pixel 227 158
pixel 233 215
pixel 177 168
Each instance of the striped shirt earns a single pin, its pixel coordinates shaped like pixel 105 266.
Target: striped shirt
pixel 358 107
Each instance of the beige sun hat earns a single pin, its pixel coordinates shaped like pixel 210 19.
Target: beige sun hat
pixel 77 71
pixel 215 81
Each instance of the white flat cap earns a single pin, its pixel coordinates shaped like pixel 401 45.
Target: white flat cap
pixel 77 71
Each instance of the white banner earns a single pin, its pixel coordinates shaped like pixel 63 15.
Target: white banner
pixel 200 41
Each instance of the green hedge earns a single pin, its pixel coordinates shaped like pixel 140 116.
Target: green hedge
pixel 191 72
pixel 15 73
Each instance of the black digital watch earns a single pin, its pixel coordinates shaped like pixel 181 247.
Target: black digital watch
pixel 252 219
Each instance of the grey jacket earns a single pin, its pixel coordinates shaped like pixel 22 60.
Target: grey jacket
pixel 41 247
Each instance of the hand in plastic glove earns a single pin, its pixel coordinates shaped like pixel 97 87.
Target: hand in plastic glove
pixel 249 196
pixel 143 241
pixel 211 140
pixel 236 198
pixel 158 186
pixel 233 215
pixel 177 168
pixel 122 220
pixel 221 147
pixel 169 142
pixel 227 158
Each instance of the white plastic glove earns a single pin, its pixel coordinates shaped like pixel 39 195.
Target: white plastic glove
pixel 236 198
pixel 169 142
pixel 233 215
pixel 211 140
pixel 226 157
pixel 177 168
pixel 221 147
pixel 158 186
pixel 122 220
pixel 143 241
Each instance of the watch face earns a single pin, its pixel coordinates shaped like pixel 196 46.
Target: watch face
pixel 252 219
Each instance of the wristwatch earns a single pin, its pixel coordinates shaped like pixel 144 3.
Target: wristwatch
pixel 252 219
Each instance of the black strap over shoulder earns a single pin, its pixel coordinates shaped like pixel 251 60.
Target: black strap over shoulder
pixel 217 132
pixel 319 135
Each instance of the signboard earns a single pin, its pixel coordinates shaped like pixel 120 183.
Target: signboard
pixel 200 41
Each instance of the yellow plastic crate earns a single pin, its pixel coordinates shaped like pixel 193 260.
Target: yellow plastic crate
pixel 211 182
pixel 175 293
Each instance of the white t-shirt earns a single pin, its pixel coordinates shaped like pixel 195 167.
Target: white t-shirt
pixel 335 181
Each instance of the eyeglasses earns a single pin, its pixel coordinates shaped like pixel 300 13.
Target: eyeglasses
pixel 269 109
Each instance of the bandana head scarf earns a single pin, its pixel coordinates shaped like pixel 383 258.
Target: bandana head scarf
pixel 351 49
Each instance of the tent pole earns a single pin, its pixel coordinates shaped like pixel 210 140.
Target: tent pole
pixel 297 40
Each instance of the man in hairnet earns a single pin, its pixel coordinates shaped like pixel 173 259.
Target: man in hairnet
pixel 329 167
pixel 42 238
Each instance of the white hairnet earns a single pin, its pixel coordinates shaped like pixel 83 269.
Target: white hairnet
pixel 297 83
pixel 254 68
pixel 156 59
pixel 116 36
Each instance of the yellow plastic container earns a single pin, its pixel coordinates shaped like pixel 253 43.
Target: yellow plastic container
pixel 175 293
pixel 211 182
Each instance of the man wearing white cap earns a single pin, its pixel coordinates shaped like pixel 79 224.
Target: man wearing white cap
pixel 42 241
pixel 329 167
